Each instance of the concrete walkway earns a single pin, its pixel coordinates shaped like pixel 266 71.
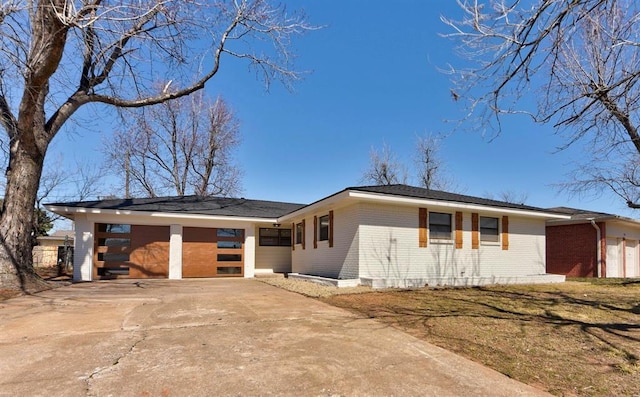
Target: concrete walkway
pixel 231 337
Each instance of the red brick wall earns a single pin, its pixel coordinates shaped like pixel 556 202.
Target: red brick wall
pixel 572 250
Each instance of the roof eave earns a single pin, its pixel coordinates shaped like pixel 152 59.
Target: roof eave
pixel 607 218
pixel 70 212
pixel 350 195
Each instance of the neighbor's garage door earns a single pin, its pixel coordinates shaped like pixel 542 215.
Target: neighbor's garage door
pixel 211 252
pixel 131 251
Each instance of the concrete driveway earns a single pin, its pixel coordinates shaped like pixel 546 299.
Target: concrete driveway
pixel 230 337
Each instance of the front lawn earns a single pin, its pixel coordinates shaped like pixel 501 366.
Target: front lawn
pixel 580 338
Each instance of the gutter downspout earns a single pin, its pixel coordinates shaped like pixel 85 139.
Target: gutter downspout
pixel 598 246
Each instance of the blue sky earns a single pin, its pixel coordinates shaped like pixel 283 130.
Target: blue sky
pixel 375 80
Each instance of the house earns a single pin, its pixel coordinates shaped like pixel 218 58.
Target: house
pixel 381 236
pixel 51 249
pixel 593 244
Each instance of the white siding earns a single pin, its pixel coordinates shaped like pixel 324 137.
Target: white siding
pixel 380 241
pixel 272 259
pixel 341 260
pixel 389 248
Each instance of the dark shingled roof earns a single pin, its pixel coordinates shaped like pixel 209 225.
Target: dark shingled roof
pixel 578 214
pixel 422 193
pixel 220 206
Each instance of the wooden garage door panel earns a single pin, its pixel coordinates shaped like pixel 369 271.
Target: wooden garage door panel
pixel 200 254
pixel 198 235
pixel 198 259
pixel 149 252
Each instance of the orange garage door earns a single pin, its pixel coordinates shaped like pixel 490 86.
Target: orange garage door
pixel 212 252
pixel 130 251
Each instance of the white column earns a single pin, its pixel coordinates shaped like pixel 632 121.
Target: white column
pixel 83 249
pixel 175 252
pixel 250 252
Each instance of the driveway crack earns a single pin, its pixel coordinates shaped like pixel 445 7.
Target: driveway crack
pixel 101 370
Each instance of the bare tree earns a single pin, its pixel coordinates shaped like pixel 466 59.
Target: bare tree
pixel 580 59
pixel 509 196
pixel 430 168
pixel 177 148
pixel 384 168
pixel 57 56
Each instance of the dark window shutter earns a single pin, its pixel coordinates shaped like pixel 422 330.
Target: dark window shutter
pixel 330 228
pixel 315 231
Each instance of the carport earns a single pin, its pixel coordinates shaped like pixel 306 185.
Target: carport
pixel 176 237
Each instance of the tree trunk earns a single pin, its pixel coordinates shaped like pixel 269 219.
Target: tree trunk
pixel 16 260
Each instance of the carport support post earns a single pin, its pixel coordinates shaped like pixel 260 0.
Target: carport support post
pixel 175 252
pixel 83 249
pixel 249 252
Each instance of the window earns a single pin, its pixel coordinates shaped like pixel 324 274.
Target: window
pixel 229 270
pixel 299 233
pixel 229 257
pixel 323 228
pixel 112 271
pixel 439 225
pixel 489 229
pixel 114 228
pixel 275 237
pixel 114 242
pixel 229 232
pixel 113 256
pixel 229 244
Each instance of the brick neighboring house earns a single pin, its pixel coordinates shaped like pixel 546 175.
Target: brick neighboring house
pixel 593 244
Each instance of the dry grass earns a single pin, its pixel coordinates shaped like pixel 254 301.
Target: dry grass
pixel 571 339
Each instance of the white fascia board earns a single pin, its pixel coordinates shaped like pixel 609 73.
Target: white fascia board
pixel 381 198
pixel 69 211
pixel 331 201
